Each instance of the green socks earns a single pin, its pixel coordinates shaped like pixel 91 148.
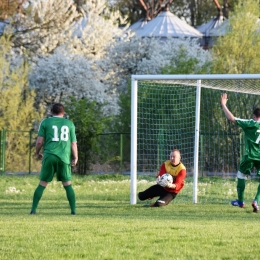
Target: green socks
pixel 37 196
pixel 70 195
pixel 71 198
pixel 257 196
pixel 241 184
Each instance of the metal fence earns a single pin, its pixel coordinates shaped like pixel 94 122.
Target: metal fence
pixel 17 149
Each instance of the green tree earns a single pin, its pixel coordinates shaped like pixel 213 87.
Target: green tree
pixel 238 51
pixel 17 110
pixel 184 64
pixel 90 121
pixel 122 123
pixel 195 12
pixel 132 9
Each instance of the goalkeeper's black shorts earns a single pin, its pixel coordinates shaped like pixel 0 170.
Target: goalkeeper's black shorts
pixel 165 197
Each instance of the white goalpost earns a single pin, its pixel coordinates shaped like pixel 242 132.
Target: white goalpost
pixel 184 112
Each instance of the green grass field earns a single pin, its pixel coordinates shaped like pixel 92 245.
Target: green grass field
pixel 108 227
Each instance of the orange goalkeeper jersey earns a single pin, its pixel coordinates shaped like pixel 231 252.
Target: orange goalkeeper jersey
pixel 178 173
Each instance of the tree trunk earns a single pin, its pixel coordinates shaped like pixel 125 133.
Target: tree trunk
pixel 192 7
pixel 226 9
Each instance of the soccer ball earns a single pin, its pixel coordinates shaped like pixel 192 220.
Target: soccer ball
pixel 167 177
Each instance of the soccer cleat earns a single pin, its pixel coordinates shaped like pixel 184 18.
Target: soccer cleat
pixel 32 212
pixel 237 203
pixel 255 206
pixel 73 213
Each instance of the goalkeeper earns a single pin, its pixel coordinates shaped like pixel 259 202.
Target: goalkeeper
pixel 251 128
pixel 164 190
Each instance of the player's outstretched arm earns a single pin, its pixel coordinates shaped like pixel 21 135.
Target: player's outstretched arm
pixel 228 114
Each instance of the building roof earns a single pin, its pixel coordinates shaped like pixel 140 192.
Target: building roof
pixel 167 24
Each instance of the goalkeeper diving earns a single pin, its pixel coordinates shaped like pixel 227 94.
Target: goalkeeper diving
pixel 167 191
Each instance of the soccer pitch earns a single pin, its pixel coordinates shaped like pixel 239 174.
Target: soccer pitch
pixel 108 227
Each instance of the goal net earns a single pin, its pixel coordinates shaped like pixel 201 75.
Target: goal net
pixel 184 112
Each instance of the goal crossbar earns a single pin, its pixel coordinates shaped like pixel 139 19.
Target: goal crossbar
pixel 195 76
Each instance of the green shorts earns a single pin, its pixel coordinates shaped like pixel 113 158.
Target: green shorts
pixel 52 164
pixel 247 164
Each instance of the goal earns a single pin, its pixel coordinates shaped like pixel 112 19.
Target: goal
pixel 184 112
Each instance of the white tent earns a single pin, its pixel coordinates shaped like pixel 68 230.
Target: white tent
pixel 220 30
pixel 139 25
pixel 213 23
pixel 167 24
pixel 206 28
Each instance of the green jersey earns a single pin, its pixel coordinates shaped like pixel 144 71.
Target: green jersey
pixel 58 134
pixel 252 133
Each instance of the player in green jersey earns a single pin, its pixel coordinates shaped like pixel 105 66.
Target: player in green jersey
pixel 251 128
pixel 57 137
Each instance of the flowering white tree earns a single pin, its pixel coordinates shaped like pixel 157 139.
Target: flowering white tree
pixel 86 54
pixel 63 42
pixel 135 55
pixel 41 26
pixel 96 29
pixel 57 76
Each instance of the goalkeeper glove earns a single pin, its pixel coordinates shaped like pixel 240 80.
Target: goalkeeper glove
pixel 171 185
pixel 160 182
pixel 158 179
